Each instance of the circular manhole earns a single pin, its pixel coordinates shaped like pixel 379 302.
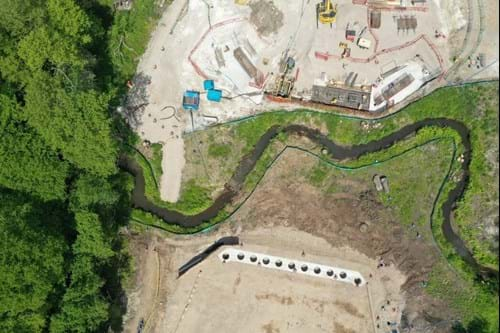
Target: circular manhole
pixel 363 227
pixel 329 272
pixel 253 258
pixel 265 261
pixel 225 256
pixel 278 263
pixel 303 268
pixel 241 256
pixel 317 270
pixel 343 275
pixel 291 265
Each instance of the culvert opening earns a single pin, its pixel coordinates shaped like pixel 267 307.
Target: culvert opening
pixel 303 268
pixel 329 272
pixel 291 265
pixel 343 275
pixel 241 256
pixel 357 281
pixel 265 261
pixel 253 258
pixel 278 263
pixel 225 256
pixel 317 270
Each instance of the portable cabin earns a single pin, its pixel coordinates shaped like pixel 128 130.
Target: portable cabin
pixel 208 84
pixel 214 95
pixel 350 35
pixel 364 43
pixel 191 100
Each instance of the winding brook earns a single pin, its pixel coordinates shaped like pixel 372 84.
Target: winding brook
pixel 337 152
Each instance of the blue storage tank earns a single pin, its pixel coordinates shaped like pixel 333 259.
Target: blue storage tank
pixel 208 84
pixel 214 95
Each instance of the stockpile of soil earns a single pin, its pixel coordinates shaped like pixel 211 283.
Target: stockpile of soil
pixel 266 18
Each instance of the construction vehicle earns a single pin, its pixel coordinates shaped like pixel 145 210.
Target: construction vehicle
pixel 282 83
pixel 346 53
pixel 326 13
pixel 350 32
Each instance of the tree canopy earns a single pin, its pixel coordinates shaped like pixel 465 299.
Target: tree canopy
pixel 32 252
pixel 62 199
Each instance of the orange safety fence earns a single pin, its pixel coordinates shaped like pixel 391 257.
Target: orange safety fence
pixel 326 56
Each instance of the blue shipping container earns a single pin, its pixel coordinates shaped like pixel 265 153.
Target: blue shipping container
pixel 214 95
pixel 208 84
pixel 191 100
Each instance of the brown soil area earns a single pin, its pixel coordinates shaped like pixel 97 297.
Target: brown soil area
pixel 337 218
pixel 151 260
pixel 286 216
pixel 266 17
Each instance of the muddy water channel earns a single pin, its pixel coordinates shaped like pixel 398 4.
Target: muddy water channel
pixel 337 152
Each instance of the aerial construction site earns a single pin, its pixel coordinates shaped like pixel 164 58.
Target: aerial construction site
pixel 312 248
pixel 245 57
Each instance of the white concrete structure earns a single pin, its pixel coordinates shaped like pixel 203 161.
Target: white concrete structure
pixel 415 70
pixel 292 266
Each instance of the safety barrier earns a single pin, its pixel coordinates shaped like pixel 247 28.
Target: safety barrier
pixel 325 55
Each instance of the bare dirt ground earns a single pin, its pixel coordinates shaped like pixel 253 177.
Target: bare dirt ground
pixel 349 228
pixel 236 297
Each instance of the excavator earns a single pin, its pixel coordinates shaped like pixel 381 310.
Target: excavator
pixel 326 12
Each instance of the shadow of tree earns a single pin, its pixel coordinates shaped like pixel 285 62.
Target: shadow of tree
pixel 477 325
pixel 136 100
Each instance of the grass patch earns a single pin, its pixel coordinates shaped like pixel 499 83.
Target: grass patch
pixel 318 174
pixel 194 198
pixel 156 160
pixel 145 219
pixel 475 303
pixel 217 150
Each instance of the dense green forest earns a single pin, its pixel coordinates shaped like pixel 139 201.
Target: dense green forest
pixel 62 198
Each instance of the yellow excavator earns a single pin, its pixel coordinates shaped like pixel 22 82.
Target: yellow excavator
pixel 326 12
